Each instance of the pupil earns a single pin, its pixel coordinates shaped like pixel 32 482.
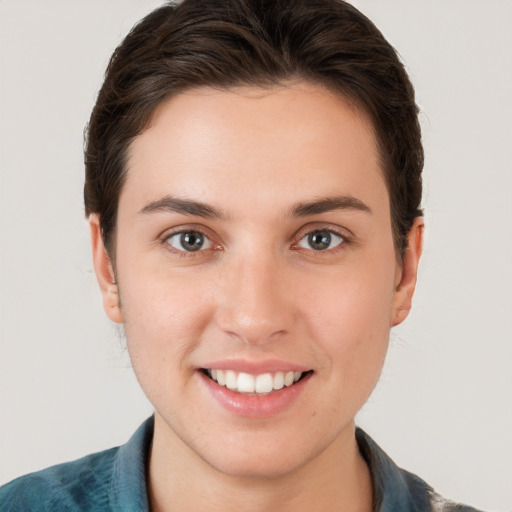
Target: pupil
pixel 192 240
pixel 319 240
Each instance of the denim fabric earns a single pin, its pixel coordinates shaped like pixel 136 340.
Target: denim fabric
pixel 115 480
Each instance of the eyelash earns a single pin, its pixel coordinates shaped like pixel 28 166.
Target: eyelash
pixel 330 233
pixel 182 253
pixel 344 240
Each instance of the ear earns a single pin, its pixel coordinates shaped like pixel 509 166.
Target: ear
pixel 407 274
pixel 104 272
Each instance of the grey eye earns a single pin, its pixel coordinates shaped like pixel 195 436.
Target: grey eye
pixel 321 240
pixel 190 241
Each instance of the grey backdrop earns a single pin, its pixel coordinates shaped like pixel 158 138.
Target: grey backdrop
pixel 443 406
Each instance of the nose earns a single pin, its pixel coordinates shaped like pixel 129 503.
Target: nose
pixel 256 301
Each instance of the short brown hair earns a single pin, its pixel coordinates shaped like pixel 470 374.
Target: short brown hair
pixel 228 43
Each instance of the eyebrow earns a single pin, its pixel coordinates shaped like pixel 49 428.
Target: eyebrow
pixel 183 206
pixel 328 204
pixel 301 209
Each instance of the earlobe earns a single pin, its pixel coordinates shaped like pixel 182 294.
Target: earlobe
pixel 404 289
pixel 104 272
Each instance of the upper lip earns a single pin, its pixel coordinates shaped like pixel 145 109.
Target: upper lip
pixel 255 367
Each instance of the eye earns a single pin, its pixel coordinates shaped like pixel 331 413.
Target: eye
pixel 321 240
pixel 189 241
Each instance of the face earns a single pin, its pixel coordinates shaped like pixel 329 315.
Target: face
pixel 255 273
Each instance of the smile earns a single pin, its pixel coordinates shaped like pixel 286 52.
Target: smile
pixel 246 383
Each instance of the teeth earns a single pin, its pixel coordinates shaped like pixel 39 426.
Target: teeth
pixel 288 379
pixel 221 377
pixel 245 383
pixel 231 380
pixel 260 384
pixel 264 383
pixel 278 380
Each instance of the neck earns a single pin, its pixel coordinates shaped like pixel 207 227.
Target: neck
pixel 179 480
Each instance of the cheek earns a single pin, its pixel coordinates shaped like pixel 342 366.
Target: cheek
pixel 164 324
pixel 164 318
pixel 350 319
pixel 354 304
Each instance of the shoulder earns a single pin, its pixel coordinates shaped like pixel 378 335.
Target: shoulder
pixel 420 492
pixel 79 485
pixel 112 480
pixel 398 490
pixel 440 504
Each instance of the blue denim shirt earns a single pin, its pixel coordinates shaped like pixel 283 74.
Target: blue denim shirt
pixel 115 480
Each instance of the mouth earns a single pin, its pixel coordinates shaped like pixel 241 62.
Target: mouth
pixel 255 385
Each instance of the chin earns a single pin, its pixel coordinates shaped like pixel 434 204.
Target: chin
pixel 259 456
pixel 257 466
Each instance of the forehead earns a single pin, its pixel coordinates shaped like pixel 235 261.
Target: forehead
pixel 253 143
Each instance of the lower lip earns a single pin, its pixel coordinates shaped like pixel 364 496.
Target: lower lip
pixel 254 406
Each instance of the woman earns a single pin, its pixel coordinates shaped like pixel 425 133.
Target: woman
pixel 253 187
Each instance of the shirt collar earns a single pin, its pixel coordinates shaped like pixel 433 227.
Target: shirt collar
pixel 129 492
pixel 394 489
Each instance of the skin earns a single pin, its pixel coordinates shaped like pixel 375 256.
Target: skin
pixel 257 290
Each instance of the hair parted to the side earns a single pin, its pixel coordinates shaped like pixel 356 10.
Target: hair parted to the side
pixel 228 43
